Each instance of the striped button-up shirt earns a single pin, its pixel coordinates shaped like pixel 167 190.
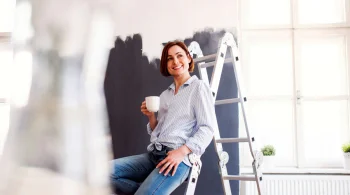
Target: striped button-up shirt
pixel 185 118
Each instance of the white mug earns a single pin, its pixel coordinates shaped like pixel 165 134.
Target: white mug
pixel 152 103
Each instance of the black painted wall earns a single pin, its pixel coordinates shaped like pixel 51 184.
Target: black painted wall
pixel 130 77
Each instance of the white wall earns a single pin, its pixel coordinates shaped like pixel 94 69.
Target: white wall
pixel 159 21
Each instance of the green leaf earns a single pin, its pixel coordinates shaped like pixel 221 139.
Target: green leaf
pixel 268 150
pixel 346 147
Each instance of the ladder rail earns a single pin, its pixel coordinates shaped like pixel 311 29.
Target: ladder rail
pixel 194 48
pixel 241 95
pixel 239 81
pixel 228 42
pixel 217 71
pixel 210 64
pixel 223 169
pixel 194 173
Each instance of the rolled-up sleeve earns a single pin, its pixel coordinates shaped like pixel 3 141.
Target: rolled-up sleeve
pixel 204 108
pixel 149 130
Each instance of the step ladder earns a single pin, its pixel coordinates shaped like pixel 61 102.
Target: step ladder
pixel 194 173
pixel 217 60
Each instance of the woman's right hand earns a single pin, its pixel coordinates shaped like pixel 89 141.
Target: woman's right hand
pixel 145 111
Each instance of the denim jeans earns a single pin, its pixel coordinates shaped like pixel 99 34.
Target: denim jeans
pixel 138 175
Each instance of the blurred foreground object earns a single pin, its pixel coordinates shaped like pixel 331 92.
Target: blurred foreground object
pixel 58 138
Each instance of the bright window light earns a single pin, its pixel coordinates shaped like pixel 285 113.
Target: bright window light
pixel 267 65
pixel 272 123
pixel 324 124
pixel 321 11
pixel 21 78
pixel 4 124
pixel 6 57
pixel 269 12
pixel 7 17
pixel 323 66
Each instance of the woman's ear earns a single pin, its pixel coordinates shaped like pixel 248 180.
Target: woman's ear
pixel 189 57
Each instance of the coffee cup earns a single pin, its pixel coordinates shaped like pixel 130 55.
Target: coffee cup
pixel 152 103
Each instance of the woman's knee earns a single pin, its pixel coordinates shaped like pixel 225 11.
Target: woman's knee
pixel 114 169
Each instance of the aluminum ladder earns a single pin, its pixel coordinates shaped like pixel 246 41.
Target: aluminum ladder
pixel 217 60
pixel 194 174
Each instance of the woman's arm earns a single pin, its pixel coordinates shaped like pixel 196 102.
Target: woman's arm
pixel 204 108
pixel 151 117
pixel 206 123
pixel 152 121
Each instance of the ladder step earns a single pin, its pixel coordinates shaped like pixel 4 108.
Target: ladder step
pixel 209 64
pixel 204 58
pixel 239 177
pixel 227 101
pixel 232 140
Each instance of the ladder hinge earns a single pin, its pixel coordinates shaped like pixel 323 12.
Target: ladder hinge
pixel 222 54
pixel 253 139
pixel 245 99
pixel 236 58
pixel 213 94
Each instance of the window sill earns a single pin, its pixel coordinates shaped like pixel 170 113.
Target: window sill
pixel 3 100
pixel 298 171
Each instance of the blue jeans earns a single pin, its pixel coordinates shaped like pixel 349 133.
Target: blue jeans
pixel 138 175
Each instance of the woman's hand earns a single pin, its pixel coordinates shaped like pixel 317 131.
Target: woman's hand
pixel 172 161
pixel 151 116
pixel 145 111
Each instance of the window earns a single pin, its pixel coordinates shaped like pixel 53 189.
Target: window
pixel 5 63
pixel 296 63
pixel 7 8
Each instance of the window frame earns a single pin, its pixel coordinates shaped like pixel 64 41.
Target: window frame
pixel 295 29
pixel 317 33
pixel 5 39
pixel 297 25
pixel 5 42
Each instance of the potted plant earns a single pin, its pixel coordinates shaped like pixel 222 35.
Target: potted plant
pixel 269 153
pixel 346 150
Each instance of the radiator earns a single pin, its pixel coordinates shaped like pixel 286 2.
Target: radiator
pixel 299 185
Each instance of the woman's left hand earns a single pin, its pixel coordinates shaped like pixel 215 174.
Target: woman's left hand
pixel 172 161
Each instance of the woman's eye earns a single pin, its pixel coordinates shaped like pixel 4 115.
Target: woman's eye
pixel 170 59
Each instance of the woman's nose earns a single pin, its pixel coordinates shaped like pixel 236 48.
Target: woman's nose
pixel 176 61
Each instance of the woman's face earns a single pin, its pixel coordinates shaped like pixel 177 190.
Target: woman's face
pixel 178 61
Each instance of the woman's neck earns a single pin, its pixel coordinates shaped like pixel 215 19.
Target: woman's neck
pixel 180 80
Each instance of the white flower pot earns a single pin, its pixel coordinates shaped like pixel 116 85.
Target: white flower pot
pixel 269 162
pixel 347 160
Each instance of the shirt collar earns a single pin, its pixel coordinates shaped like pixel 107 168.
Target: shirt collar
pixel 188 82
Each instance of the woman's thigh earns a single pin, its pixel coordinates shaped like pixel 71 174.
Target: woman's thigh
pixel 158 183
pixel 135 168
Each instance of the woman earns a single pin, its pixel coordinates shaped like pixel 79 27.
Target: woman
pixel 185 124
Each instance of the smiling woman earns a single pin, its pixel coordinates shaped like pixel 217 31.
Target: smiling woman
pixel 173 54
pixel 185 124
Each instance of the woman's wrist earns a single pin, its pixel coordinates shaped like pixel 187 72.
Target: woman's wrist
pixel 152 117
pixel 152 121
pixel 185 150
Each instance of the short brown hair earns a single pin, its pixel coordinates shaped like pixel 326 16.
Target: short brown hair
pixel 164 58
